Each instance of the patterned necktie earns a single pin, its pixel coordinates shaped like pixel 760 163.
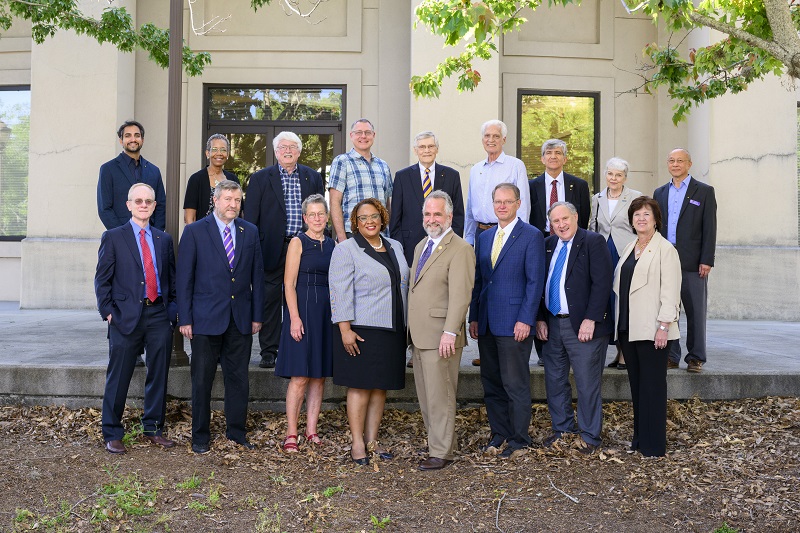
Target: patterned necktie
pixel 554 290
pixel 151 286
pixel 498 245
pixel 426 183
pixel 553 199
pixel 423 258
pixel 227 242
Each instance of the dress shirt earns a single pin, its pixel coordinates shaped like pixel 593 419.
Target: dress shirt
pixel 290 181
pixel 221 227
pixel 676 197
pixel 148 237
pixel 506 232
pixel 561 291
pixel 356 178
pixel 548 186
pixel 483 178
pixel 135 166
pixel 432 173
pixel 436 241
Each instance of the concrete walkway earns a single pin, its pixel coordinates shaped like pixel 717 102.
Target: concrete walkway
pixel 57 356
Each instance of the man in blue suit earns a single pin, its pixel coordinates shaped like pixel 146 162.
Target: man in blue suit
pixel 575 321
pixel 509 276
pixel 135 289
pixel 128 168
pixel 220 307
pixel 274 199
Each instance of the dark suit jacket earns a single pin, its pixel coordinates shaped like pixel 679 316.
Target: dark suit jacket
pixel 119 279
pixel 208 292
pixel 696 233
pixel 266 207
pixel 511 291
pixel 588 282
pixel 112 192
pixel 576 192
pixel 406 222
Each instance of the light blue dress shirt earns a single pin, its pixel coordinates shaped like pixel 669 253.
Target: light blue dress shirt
pixel 676 197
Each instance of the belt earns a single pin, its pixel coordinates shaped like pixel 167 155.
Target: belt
pixel 158 301
pixel 483 226
pixel 288 238
pixel 561 315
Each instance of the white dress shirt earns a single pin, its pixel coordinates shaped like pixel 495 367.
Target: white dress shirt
pixel 548 186
pixel 422 174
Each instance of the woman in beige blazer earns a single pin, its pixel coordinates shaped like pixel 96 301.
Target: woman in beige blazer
pixel 647 283
pixel 610 219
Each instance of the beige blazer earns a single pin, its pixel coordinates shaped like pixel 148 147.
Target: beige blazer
pixel 614 224
pixel 439 298
pixel 655 290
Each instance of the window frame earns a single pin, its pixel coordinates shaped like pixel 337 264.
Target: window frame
pixel 9 88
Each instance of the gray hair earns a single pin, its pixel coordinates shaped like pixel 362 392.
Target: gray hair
pixel 226 185
pixel 508 187
pixel 499 123
pixel 616 163
pixel 549 144
pixel 426 135
pixel 220 137
pixel 135 185
pixel 568 205
pixel 314 199
pixel 363 121
pixel 440 195
pixel 287 136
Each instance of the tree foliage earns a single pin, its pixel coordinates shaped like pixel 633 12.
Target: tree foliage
pixel 761 38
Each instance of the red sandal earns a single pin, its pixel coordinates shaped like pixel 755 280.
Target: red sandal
pixel 314 439
pixel 289 447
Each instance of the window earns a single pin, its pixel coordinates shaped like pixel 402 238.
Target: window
pixel 15 118
pixel 571 117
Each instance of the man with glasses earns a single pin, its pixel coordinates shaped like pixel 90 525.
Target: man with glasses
pixel 274 204
pixel 357 175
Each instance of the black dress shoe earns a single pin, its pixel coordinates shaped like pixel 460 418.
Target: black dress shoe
pixel 549 441
pixel 509 451
pixel 140 361
pixel 200 448
pixel 267 361
pixel 613 364
pixel 434 463
pixel 495 442
pixel 115 446
pixel 587 449
pixel 245 444
pixel 621 366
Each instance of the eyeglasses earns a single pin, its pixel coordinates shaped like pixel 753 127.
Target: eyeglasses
pixel 317 215
pixel 287 147
pixel 678 161
pixel 362 133
pixel 504 202
pixel 216 150
pixel 372 218
pixel 147 201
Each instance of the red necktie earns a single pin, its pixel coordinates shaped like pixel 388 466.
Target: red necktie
pixel 149 269
pixel 553 199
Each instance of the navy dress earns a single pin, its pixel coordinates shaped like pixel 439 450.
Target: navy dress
pixel 311 356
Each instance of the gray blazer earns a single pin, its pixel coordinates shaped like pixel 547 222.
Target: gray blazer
pixel 360 287
pixel 614 224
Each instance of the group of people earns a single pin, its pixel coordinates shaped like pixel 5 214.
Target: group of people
pixel 405 264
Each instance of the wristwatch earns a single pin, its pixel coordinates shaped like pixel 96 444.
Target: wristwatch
pixel 662 327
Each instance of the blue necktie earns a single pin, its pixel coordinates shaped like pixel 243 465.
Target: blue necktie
pixel 423 258
pixel 227 242
pixel 554 291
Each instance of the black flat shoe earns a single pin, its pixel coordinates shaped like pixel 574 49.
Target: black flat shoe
pixel 621 366
pixel 384 455
pixel 613 364
pixel 364 461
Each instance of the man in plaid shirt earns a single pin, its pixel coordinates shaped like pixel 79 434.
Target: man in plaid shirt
pixel 357 175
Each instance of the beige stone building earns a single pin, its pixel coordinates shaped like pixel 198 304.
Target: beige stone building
pixel 272 72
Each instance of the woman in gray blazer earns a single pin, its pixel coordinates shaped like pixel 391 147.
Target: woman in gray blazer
pixel 610 219
pixel 368 280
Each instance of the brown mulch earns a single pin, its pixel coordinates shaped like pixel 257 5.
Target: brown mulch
pixel 729 464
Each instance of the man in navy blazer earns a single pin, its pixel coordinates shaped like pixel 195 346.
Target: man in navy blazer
pixel 220 307
pixel 411 189
pixel 689 209
pixel 135 288
pixel 128 168
pixel 509 276
pixel 574 323
pixel 568 188
pixel 274 204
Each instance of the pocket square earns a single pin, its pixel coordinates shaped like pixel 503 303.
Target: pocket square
pixel 694 202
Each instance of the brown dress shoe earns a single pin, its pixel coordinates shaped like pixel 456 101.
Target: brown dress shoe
pixel 671 365
pixel 160 441
pixel 476 362
pixel 695 366
pixel 434 463
pixel 115 446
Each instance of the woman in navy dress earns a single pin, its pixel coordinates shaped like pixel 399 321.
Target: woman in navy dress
pixel 304 353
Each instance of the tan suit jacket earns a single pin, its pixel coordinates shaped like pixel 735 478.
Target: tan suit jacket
pixel 439 298
pixel 655 294
pixel 614 224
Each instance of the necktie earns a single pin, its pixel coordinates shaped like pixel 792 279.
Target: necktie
pixel 151 286
pixel 498 245
pixel 554 290
pixel 227 242
pixel 426 183
pixel 553 199
pixel 423 258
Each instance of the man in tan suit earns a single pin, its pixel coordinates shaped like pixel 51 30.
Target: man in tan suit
pixel 442 277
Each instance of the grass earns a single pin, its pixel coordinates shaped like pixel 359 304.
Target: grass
pixel 269 521
pixel 725 528
pixel 129 495
pixel 191 483
pixel 132 435
pixel 330 491
pixel 379 523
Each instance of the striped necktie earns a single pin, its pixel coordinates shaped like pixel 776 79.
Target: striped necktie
pixel 227 242
pixel 426 183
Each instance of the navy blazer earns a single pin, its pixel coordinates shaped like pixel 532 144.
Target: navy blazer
pixel 119 279
pixel 511 291
pixel 576 192
pixel 266 207
pixel 588 283
pixel 405 225
pixel 208 291
pixel 116 180
pixel 696 233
